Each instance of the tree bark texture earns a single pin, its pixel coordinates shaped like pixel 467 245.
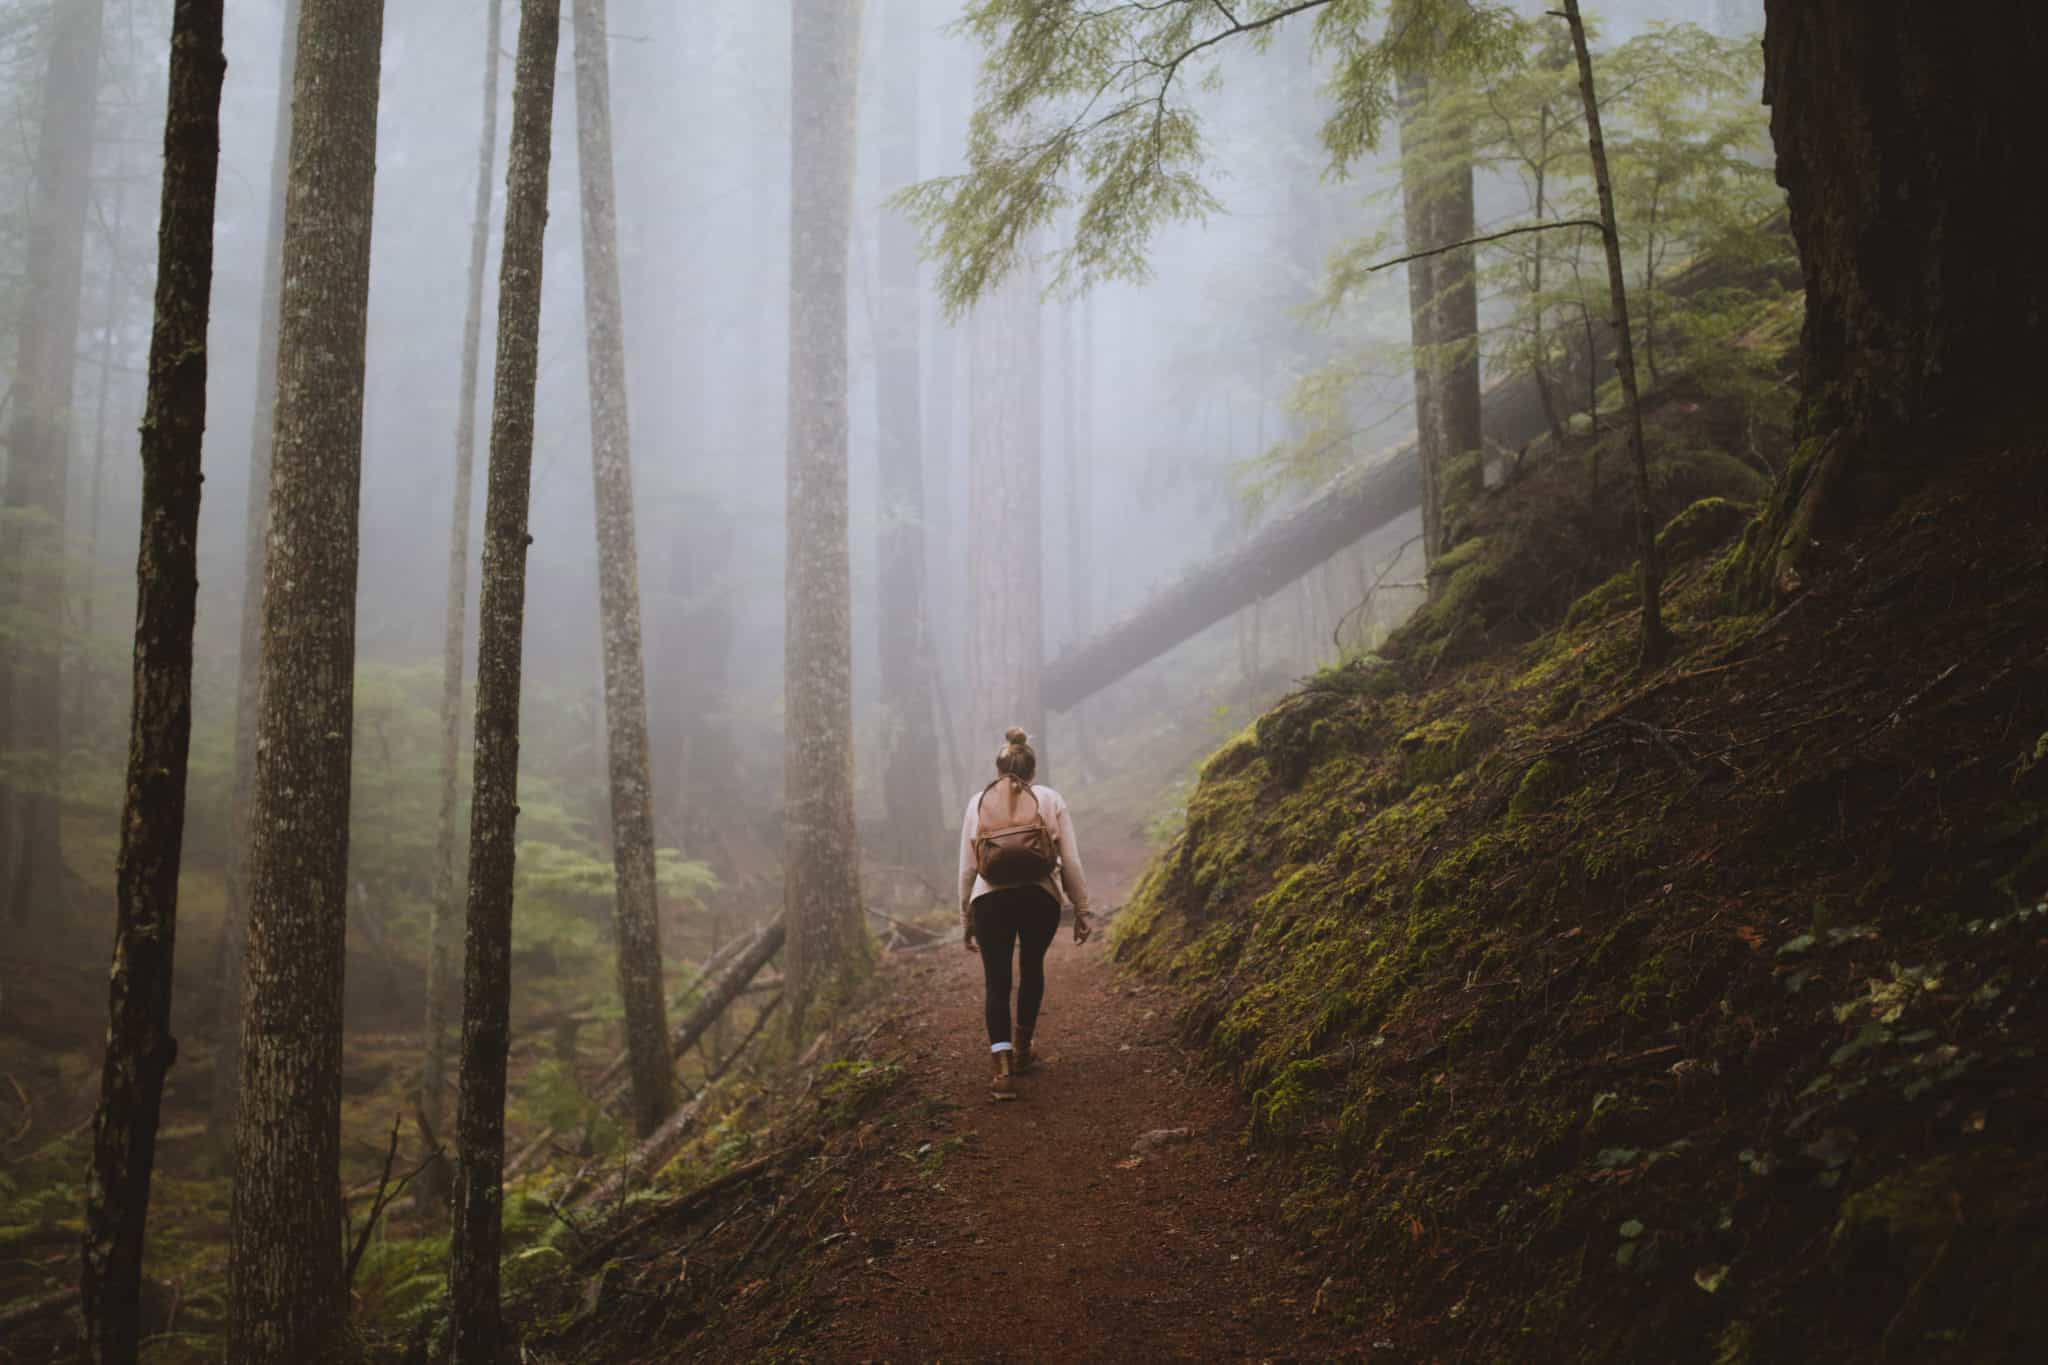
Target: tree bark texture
pixel 910 759
pixel 447 865
pixel 475 1315
pixel 821 866
pixel 140 1048
pixel 1006 598
pixel 1649 576
pixel 255 530
pixel 287 1300
pixel 1443 305
pixel 1917 203
pixel 635 916
pixel 38 466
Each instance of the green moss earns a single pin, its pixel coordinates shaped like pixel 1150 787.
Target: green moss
pixel 1901 1222
pixel 1705 525
pixel 1616 595
pixel 1546 781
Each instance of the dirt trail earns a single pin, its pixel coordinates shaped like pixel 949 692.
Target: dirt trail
pixel 1036 1235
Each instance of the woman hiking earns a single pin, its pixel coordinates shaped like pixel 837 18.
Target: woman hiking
pixel 1017 852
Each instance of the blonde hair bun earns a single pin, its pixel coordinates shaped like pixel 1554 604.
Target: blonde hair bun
pixel 1016 736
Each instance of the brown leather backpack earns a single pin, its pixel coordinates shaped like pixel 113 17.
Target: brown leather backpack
pixel 1012 844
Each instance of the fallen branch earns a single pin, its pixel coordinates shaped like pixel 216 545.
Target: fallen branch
pixel 765 943
pixel 681 1207
pixel 649 1157
pixel 22 1314
pixel 920 934
pixel 1592 223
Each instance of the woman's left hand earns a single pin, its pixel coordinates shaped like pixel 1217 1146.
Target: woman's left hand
pixel 1082 929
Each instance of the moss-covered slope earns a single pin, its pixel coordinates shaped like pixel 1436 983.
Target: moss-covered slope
pixel 1692 1016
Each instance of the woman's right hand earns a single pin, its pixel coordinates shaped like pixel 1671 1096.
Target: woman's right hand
pixel 967 939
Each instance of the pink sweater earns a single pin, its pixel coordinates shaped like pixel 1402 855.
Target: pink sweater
pixel 1053 807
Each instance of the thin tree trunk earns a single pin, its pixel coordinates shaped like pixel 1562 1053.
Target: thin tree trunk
pixel 821 897
pixel 1443 299
pixel 287 1300
pixel 447 865
pixel 475 1316
pixel 910 759
pixel 38 464
pixel 1655 643
pixel 110 320
pixel 1005 559
pixel 635 917
pixel 1650 287
pixel 140 1048
pixel 1539 360
pixel 234 924
pixel 1422 312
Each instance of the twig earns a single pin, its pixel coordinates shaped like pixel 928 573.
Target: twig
pixel 752 1033
pixel 906 928
pixel 1593 223
pixel 688 1203
pixel 383 1201
pixel 28 1111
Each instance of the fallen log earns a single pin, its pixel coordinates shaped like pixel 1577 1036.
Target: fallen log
pixel 1346 510
pixel 660 1148
pixel 717 1000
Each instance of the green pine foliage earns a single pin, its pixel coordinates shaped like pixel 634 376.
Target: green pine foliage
pixel 1086 117
pixel 1689 147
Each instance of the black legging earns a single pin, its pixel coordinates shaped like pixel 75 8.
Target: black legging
pixel 1029 918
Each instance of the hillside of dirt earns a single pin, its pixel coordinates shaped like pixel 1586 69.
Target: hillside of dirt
pixel 1689 1015
pixel 1517 1004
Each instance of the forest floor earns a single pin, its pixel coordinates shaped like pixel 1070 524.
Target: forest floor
pixel 1109 1214
pixel 1112 1212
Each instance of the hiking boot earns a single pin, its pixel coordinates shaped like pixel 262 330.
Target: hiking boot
pixel 1023 1045
pixel 1004 1086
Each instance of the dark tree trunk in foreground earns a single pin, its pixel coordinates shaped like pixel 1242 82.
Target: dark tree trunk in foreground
pixel 635 916
pixel 256 524
pixel 140 1048
pixel 447 876
pixel 1443 307
pixel 821 882
pixel 1649 576
pixel 1917 202
pixel 286 1298
pixel 477 1325
pixel 38 465
pixel 910 757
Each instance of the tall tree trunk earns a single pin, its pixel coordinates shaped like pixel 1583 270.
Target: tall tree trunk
pixel 1649 577
pixel 286 1297
pixel 635 916
pixel 447 866
pixel 1916 199
pixel 140 1048
pixel 113 298
pixel 821 874
pixel 1005 556
pixel 1443 301
pixel 38 464
pixel 476 1321
pixel 1422 313
pixel 234 924
pixel 944 496
pixel 1539 354
pixel 910 759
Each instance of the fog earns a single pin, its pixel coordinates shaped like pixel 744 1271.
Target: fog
pixel 1156 398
